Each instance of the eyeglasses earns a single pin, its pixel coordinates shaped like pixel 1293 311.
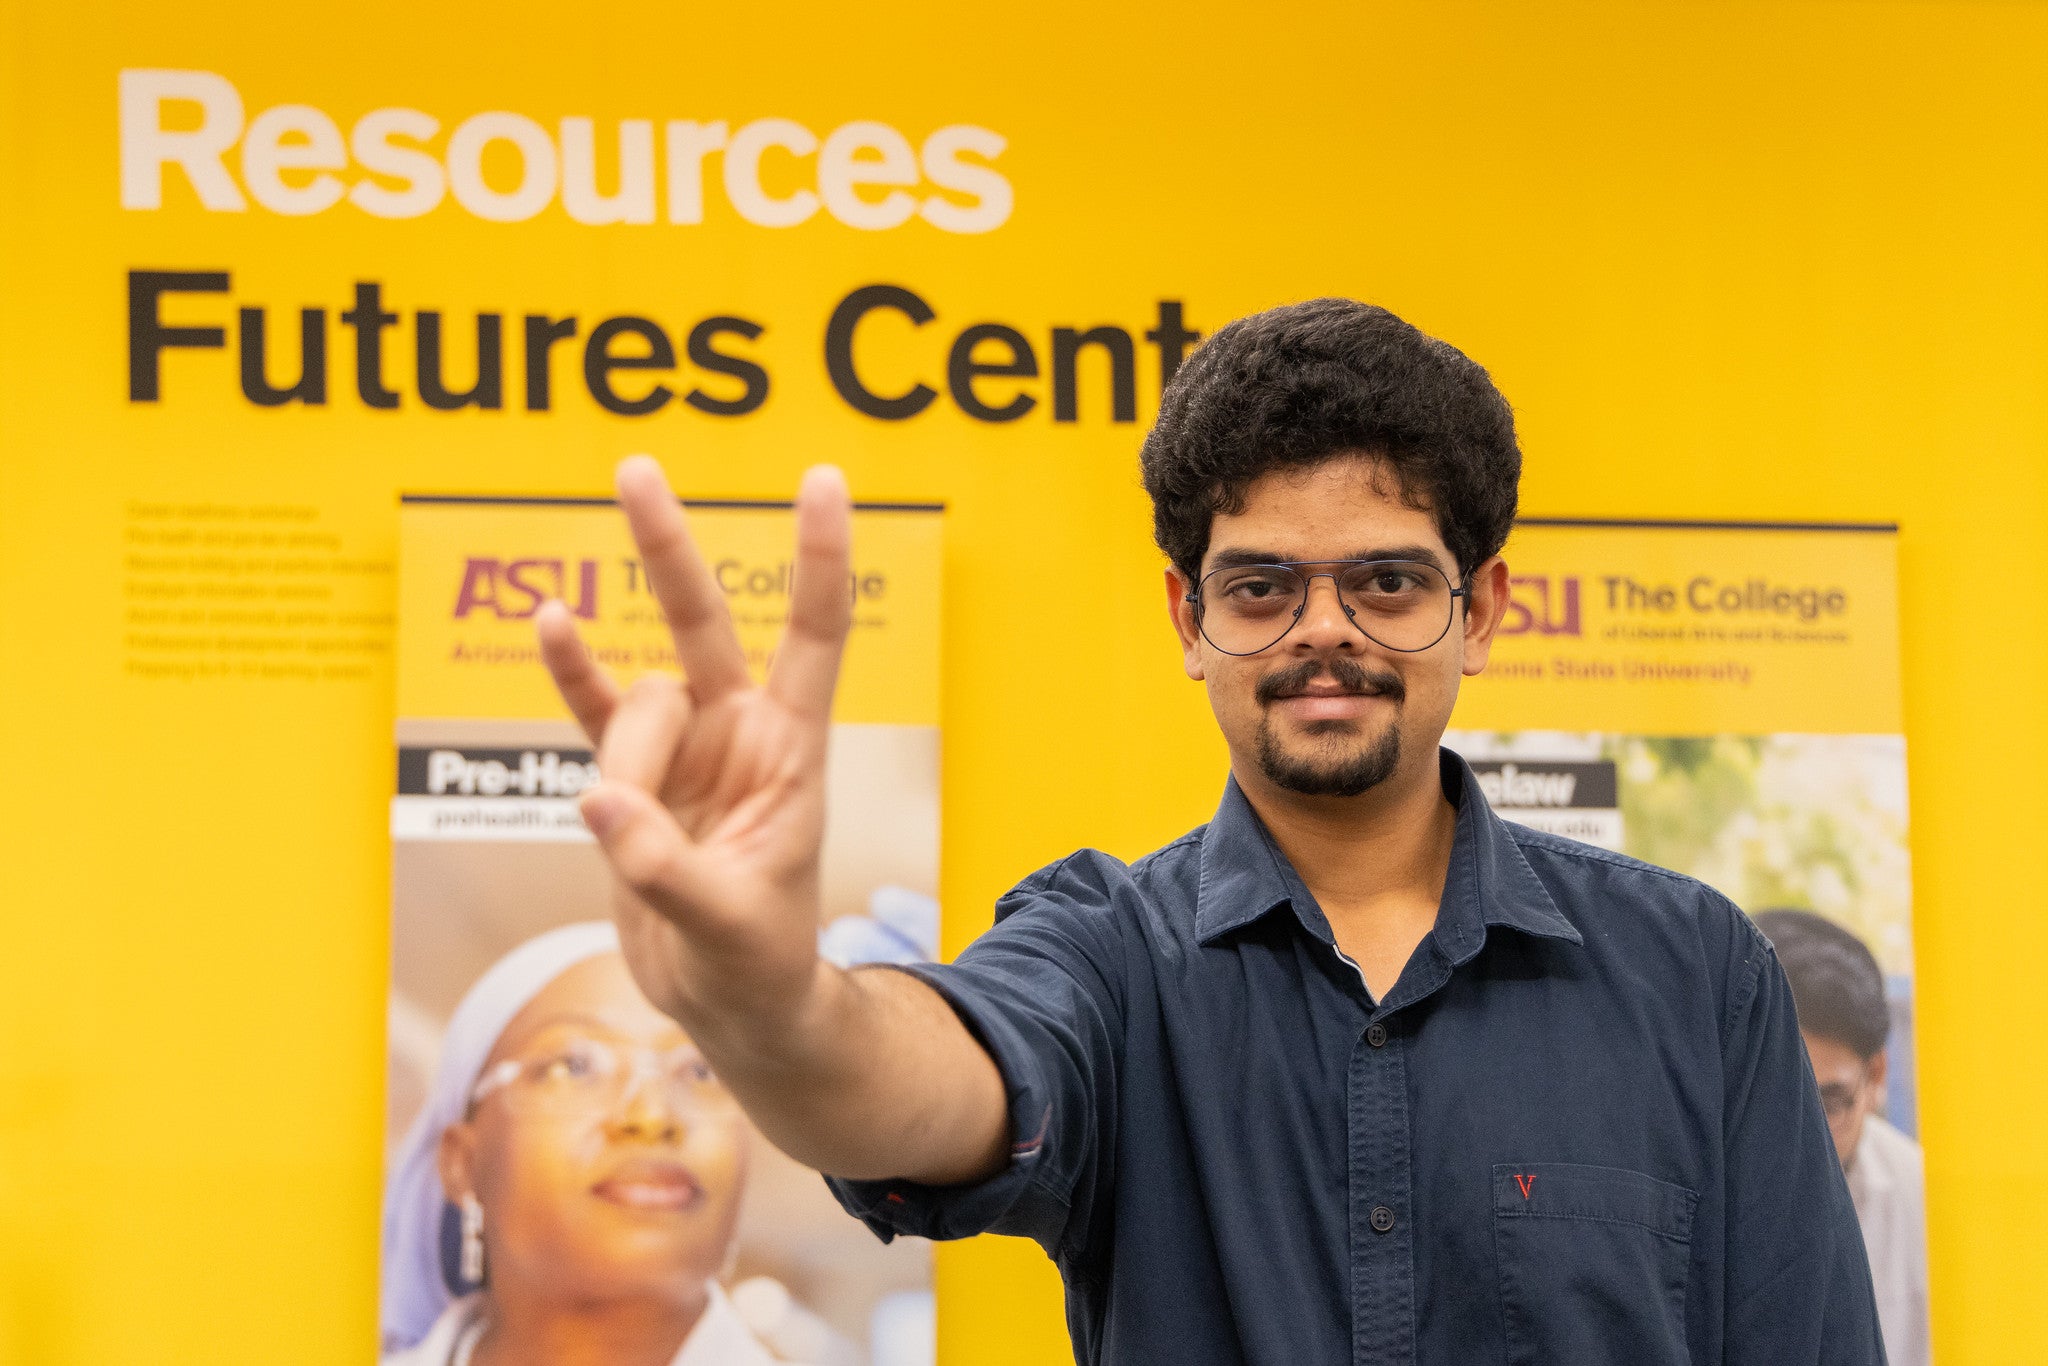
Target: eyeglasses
pixel 1838 1100
pixel 589 1075
pixel 1404 605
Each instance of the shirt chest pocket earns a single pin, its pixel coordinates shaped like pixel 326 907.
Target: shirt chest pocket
pixel 1594 1263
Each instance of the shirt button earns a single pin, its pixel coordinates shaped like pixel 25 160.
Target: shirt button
pixel 1382 1219
pixel 1376 1035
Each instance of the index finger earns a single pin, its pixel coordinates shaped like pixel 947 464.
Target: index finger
pixel 806 667
pixel 706 645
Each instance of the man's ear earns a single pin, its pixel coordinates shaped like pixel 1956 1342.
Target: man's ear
pixel 1183 613
pixel 1486 602
pixel 1878 1068
pixel 456 1160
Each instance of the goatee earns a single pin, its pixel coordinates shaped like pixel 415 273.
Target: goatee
pixel 1344 777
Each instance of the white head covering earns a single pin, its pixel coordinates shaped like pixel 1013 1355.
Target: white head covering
pixel 414 1293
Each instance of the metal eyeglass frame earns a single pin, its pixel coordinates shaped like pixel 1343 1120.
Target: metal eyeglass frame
pixel 1308 580
pixel 644 1065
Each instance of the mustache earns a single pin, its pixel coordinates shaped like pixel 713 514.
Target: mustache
pixel 1352 677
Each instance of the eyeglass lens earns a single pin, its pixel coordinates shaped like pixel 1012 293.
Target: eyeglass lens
pixel 586 1073
pixel 1838 1100
pixel 1401 604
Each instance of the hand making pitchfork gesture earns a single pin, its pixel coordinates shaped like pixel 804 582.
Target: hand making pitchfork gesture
pixel 711 814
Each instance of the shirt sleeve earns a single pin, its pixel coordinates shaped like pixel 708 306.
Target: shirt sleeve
pixel 1042 992
pixel 1798 1281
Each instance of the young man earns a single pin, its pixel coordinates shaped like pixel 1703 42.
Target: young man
pixel 1355 1072
pixel 1846 1022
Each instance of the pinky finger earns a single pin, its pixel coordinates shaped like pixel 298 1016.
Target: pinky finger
pixel 582 681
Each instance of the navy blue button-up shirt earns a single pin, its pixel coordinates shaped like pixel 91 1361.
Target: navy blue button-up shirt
pixel 1580 1128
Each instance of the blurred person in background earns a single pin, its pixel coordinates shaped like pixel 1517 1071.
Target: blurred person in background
pixel 1838 991
pixel 570 1191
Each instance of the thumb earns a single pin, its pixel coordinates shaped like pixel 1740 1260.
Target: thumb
pixel 647 850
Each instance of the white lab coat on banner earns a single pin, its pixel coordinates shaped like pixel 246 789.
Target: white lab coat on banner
pixel 1890 1191
pixel 719 1339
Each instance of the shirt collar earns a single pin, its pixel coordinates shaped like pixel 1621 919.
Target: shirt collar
pixel 1245 876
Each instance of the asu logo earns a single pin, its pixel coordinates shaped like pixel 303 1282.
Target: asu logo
pixel 513 590
pixel 1539 604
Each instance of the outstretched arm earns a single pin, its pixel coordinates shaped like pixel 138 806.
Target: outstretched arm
pixel 711 814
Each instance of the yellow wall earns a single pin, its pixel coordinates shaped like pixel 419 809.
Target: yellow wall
pixel 1778 260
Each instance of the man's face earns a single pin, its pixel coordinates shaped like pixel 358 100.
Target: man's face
pixel 1326 710
pixel 1851 1090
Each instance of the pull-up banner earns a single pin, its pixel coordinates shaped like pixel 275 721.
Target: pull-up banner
pixel 1723 700
pixel 513 1136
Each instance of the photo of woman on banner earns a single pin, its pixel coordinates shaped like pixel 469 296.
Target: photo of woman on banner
pixel 574 1176
pixel 554 1180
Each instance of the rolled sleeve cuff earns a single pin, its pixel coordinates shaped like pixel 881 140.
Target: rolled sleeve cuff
pixel 1014 1200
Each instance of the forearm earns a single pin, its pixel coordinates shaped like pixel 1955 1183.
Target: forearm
pixel 871 1075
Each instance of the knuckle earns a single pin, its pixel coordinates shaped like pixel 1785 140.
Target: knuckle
pixel 643 860
pixel 657 524
pixel 696 610
pixel 653 689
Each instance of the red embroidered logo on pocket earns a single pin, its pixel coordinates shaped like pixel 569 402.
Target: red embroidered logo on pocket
pixel 1525 1182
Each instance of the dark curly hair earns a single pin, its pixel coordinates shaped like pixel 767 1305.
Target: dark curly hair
pixel 1837 987
pixel 1297 385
